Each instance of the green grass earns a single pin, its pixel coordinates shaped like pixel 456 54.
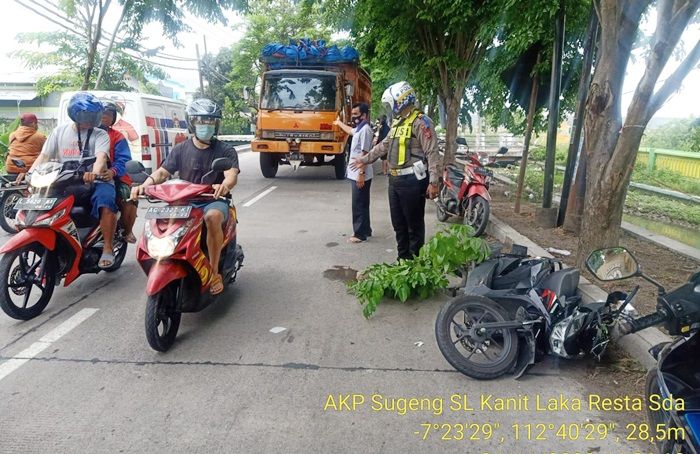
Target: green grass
pixel 666 179
pixel 650 205
pixel 638 202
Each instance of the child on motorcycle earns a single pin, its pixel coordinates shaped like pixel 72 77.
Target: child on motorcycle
pixel 119 155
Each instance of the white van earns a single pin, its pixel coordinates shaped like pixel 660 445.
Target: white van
pixel 151 124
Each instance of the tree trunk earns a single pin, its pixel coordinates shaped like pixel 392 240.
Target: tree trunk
pixel 452 104
pixel 611 149
pixel 528 135
pixel 93 41
pixel 103 65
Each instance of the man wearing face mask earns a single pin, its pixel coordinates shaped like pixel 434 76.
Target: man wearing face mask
pixel 361 180
pixel 192 159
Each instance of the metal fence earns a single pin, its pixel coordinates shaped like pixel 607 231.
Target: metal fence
pixel 686 163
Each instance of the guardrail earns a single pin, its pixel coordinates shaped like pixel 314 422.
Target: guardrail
pixel 686 163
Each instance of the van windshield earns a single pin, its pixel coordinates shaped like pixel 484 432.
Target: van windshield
pixel 299 91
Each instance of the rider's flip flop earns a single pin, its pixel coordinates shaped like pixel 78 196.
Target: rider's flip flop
pixel 107 258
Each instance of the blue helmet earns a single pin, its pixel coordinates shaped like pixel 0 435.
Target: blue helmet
pixel 85 108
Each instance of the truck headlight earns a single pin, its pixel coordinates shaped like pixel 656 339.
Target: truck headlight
pixel 327 136
pixel 267 134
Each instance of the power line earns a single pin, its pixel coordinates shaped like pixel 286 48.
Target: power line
pixel 76 32
pixel 104 35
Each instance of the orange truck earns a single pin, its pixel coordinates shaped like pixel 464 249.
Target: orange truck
pixel 299 100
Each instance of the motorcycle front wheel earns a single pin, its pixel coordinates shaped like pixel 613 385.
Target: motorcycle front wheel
pixel 657 417
pixel 480 354
pixel 163 318
pixel 8 200
pixel 27 281
pixel 478 216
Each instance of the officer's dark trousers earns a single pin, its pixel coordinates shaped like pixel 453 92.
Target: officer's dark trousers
pixel 360 210
pixel 407 205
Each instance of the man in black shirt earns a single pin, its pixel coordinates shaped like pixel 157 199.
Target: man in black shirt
pixel 192 159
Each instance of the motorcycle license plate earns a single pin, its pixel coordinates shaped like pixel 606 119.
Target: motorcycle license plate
pixel 179 212
pixel 38 204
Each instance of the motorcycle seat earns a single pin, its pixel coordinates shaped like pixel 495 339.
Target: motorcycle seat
pixel 81 216
pixel 563 282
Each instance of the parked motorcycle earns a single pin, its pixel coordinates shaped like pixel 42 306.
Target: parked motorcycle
pixel 673 386
pixel 514 310
pixel 464 192
pixel 58 239
pixel 10 193
pixel 172 253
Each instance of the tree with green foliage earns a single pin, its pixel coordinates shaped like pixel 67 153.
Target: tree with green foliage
pixel 70 57
pixel 82 21
pixel 611 145
pixel 679 134
pixel 438 44
pixel 267 21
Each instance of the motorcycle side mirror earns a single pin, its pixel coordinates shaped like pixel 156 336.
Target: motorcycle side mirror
pixel 221 164
pixel 135 167
pixel 612 264
pixel 19 163
pixel 461 141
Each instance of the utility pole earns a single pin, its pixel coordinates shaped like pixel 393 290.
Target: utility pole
pixel 211 93
pixel 199 66
pixel 575 144
pixel 547 215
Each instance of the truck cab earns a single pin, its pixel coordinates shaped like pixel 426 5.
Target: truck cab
pixel 298 105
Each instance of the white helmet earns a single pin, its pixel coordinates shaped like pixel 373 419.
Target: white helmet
pixel 397 97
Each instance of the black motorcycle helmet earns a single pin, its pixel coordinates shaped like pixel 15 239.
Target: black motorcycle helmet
pixel 202 108
pixel 113 108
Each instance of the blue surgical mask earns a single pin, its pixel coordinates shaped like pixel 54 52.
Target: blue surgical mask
pixel 204 132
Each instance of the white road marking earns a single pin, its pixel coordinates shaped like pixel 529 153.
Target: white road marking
pixel 42 344
pixel 259 196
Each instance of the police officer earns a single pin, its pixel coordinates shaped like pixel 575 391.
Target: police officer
pixel 413 158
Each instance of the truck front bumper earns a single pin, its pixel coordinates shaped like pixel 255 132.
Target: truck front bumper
pixel 308 147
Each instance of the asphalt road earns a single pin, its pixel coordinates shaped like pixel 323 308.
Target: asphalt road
pixel 229 384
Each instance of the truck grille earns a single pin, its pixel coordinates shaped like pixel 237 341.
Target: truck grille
pixel 313 135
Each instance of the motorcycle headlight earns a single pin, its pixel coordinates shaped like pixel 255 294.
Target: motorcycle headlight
pixel 44 180
pixel 162 248
pixel 51 219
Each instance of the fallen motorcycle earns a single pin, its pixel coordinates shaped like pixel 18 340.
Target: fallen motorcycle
pixel 515 310
pixel 172 253
pixel 464 192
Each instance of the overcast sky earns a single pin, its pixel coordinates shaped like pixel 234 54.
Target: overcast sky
pixel 17 19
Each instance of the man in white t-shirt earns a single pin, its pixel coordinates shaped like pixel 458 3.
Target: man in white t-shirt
pixel 360 180
pixel 83 138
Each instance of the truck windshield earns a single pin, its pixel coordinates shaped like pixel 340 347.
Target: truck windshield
pixel 297 91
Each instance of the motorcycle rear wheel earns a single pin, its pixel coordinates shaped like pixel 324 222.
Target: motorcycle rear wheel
pixel 478 216
pixel 162 317
pixel 19 277
pixel 657 417
pixel 8 199
pixel 450 332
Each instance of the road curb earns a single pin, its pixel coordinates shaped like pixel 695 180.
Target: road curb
pixel 637 345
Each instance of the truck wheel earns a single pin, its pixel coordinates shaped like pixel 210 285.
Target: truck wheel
pixel 340 163
pixel 269 164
